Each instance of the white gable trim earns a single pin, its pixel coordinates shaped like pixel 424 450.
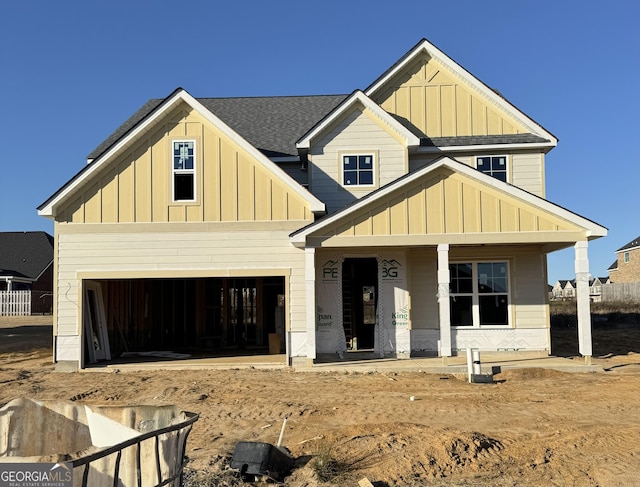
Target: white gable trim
pixel 359 97
pixel 469 79
pixel 592 229
pixel 48 209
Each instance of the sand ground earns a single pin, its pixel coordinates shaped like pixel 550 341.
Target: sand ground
pixel 531 427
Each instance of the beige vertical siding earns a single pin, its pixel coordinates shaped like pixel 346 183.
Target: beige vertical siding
pixel 230 184
pixel 357 131
pixel 447 203
pixel 424 289
pixel 440 104
pixel 526 169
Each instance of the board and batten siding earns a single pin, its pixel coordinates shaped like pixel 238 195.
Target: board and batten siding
pixel 424 289
pixel 526 169
pixel 231 185
pixel 106 251
pixel 358 132
pixel 444 203
pixel 440 104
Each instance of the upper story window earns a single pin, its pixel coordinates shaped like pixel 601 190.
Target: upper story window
pixel 184 170
pixel 358 170
pixel 495 166
pixel 479 294
pixel 626 257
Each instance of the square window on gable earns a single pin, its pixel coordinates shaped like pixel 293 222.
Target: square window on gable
pixel 184 170
pixel 495 166
pixel 358 170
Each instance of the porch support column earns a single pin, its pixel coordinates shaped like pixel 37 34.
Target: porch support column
pixel 310 284
pixel 582 300
pixel 443 300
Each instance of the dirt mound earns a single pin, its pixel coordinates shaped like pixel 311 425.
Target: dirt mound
pixel 530 374
pixel 402 453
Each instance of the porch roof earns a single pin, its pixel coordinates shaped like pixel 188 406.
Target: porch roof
pixel 448 202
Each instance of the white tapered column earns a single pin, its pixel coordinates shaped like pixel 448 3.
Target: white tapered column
pixel 582 299
pixel 310 282
pixel 443 300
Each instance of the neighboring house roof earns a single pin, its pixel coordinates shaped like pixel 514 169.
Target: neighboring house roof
pixel 131 134
pixel 635 243
pixel 25 254
pixel 592 229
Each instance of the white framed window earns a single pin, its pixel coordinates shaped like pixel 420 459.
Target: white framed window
pixel 184 170
pixel 479 293
pixel 495 166
pixel 358 170
pixel 626 257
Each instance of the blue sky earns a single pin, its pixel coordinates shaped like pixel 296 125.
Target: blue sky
pixel 72 71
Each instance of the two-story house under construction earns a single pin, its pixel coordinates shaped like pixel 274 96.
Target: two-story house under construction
pixel 406 218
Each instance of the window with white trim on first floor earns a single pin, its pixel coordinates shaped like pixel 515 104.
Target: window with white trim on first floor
pixel 479 293
pixel 184 170
pixel 358 170
pixel 495 166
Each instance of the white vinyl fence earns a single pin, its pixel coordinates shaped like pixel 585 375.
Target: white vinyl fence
pixel 15 303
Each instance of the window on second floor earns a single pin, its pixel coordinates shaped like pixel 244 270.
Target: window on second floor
pixel 184 170
pixel 626 257
pixel 495 166
pixel 358 170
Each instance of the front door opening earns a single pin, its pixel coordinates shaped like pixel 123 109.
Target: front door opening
pixel 359 302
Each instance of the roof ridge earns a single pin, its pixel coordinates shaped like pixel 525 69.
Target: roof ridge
pixel 263 97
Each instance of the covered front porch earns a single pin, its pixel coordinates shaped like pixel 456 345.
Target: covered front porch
pixel 442 260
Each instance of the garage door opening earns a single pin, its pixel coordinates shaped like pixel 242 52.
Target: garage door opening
pixel 198 317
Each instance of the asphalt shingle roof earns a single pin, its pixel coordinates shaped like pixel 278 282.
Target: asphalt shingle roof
pixel 271 124
pixel 631 245
pixel 25 254
pixel 274 124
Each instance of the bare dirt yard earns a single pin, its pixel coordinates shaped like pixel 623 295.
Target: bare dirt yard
pixel 531 427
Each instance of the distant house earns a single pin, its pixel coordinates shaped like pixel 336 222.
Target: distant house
pixel 626 267
pixel 565 289
pixel 26 264
pixel 595 288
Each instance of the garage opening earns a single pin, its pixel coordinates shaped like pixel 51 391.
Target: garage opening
pixel 201 317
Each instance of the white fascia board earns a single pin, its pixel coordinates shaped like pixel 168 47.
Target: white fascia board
pixel 480 147
pixel 471 80
pixel 96 164
pixel 358 96
pixel 181 95
pixel 592 229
